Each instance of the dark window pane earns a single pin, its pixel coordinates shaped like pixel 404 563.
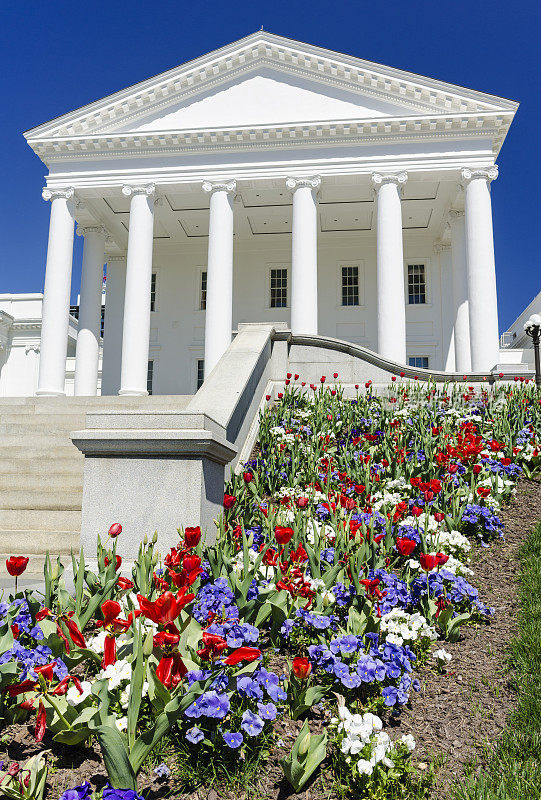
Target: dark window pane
pixel 200 372
pixel 350 286
pixel 418 362
pixel 278 288
pixel 416 284
pixel 150 376
pixel 153 292
pixel 203 293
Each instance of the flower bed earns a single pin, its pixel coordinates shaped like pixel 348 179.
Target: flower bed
pixel 342 564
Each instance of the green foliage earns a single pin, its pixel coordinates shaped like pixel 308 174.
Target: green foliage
pixel 28 783
pixel 306 755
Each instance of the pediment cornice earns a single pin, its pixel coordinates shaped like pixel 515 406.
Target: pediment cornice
pixel 421 95
pixel 259 137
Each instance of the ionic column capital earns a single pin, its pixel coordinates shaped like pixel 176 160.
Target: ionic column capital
pixel 488 174
pixel 85 230
pixel 293 183
pixel 52 194
pixel 148 189
pixel 229 186
pixel 379 179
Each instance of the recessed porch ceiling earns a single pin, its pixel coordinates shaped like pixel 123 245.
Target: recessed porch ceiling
pixel 265 209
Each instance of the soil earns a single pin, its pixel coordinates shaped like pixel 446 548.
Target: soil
pixel 454 716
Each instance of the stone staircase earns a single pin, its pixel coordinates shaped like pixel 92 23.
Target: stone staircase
pixel 41 472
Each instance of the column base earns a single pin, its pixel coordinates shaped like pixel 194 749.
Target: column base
pixel 133 393
pixel 49 393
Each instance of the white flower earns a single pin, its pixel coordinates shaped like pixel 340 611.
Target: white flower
pixel 351 744
pixel 116 673
pixel 408 741
pixel 442 656
pixel 74 697
pixel 96 643
pixel 364 767
pixel 121 723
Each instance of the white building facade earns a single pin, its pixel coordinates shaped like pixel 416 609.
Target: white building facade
pixel 270 181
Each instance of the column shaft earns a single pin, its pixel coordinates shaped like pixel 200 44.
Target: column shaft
pixel 89 330
pixel 460 293
pixel 56 294
pixel 136 327
pixel 390 303
pixel 115 289
pixel 304 309
pixel 219 306
pixel 481 269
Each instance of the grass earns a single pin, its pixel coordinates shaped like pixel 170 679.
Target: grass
pixel 513 766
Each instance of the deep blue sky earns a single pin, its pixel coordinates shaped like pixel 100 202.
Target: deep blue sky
pixel 56 56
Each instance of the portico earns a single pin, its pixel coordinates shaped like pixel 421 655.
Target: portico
pixel 375 228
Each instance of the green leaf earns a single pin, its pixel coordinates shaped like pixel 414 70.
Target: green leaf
pixel 115 755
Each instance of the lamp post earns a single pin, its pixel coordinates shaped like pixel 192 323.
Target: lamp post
pixel 533 329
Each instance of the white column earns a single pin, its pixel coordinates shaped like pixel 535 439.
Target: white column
pixel 115 289
pixel 460 292
pixel 136 327
pixel 56 294
pixel 481 269
pixel 89 330
pixel 219 306
pixel 304 254
pixel 391 301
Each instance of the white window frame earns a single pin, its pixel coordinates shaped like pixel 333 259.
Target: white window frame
pixel 278 265
pixel 349 263
pixel 156 272
pixel 419 355
pixel 427 262
pixel 154 356
pixel 197 301
pixel 197 360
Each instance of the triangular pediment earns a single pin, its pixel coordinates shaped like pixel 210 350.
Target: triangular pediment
pixel 267 80
pixel 263 97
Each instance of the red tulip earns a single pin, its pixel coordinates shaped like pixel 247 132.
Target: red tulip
pixel 416 511
pixel 118 562
pixel 323 379
pixel 166 608
pixel 288 376
pixel 267 397
pixel 16 565
pixel 283 535
pixel 302 502
pixel 428 561
pixel 335 375
pixel 229 501
pixel 442 559
pixel 439 517
pixel 41 722
pixel 501 374
pixel 483 491
pixel 402 374
pixel 192 536
pixel 115 529
pixel 248 477
pixel 242 654
pixel 405 546
pixel 296 377
pixel 301 667
pixel 393 378
pixel 191 563
pixel 214 645
pixel 124 584
pixel 477 469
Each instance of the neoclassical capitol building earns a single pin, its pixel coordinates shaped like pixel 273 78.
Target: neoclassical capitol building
pixel 269 181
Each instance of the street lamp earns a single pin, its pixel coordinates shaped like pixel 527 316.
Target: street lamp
pixel 533 329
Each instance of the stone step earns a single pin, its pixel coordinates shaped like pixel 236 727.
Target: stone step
pixel 40 500
pixel 69 480
pixel 40 453
pixel 16 542
pixel 56 463
pixel 33 439
pixel 44 520
pixel 35 428
pixel 62 422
